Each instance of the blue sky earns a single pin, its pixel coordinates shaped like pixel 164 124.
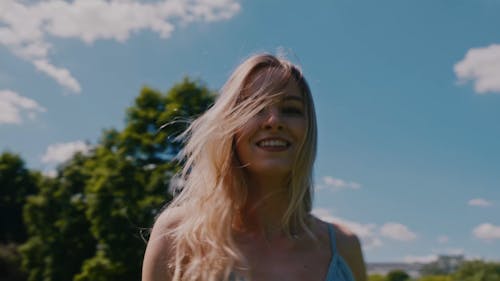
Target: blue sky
pixel 407 96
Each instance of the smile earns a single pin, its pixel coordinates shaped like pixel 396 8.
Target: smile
pixel 273 143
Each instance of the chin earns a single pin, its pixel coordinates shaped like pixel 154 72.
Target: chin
pixel 271 169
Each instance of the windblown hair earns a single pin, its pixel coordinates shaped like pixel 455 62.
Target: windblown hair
pixel 212 181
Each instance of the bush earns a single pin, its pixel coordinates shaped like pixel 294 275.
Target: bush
pixel 10 263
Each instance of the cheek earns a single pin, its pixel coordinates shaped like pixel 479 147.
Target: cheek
pixel 300 130
pixel 240 137
pixel 244 133
pixel 241 145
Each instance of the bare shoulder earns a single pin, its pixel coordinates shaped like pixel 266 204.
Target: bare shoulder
pixel 169 218
pixel 345 236
pixel 158 251
pixel 349 248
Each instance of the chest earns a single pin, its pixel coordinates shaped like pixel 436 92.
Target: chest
pixel 304 263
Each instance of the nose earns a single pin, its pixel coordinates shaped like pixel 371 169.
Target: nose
pixel 272 119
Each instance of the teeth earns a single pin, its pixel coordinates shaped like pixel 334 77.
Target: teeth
pixel 274 143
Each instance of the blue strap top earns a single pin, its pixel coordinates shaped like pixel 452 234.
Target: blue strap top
pixel 338 269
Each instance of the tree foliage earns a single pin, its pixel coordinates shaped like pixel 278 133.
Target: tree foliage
pixel 397 275
pixel 85 224
pixel 16 182
pixel 433 269
pixel 59 232
pixel 478 271
pixel 436 278
pixel 142 140
pixel 10 261
pixel 376 277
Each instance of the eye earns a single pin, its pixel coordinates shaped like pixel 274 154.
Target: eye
pixel 262 112
pixel 292 110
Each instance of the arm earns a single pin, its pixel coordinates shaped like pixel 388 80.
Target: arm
pixel 158 251
pixel 356 261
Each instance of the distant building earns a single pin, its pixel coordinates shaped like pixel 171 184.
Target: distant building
pixel 450 263
pixel 383 268
pixel 444 264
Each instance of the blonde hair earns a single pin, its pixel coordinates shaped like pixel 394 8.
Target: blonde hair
pixel 213 189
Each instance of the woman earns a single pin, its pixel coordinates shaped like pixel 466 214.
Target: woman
pixel 244 209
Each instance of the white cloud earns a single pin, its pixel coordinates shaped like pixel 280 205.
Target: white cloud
pixel 61 152
pixel 397 231
pixel 337 184
pixel 482 66
pixel 443 239
pixel 13 106
pixel 479 202
pixel 61 75
pixel 366 232
pixel 420 259
pixel 370 234
pixel 487 231
pixel 24 28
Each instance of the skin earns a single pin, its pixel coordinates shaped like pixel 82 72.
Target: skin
pixel 267 168
pixel 285 120
pixel 279 258
pixel 276 258
pixel 270 254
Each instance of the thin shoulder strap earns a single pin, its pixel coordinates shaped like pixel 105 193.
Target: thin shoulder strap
pixel 331 232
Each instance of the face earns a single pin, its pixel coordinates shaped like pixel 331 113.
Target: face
pixel 268 143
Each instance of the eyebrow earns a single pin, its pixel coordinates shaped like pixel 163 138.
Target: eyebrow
pixel 293 98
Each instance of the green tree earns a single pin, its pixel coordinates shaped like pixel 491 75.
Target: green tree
pixel 102 200
pixel 10 263
pixel 376 277
pixel 436 278
pixel 131 172
pixel 16 183
pixel 397 275
pixel 60 239
pixel 142 140
pixel 478 271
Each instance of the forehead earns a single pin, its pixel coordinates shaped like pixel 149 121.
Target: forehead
pixel 293 92
pixel 273 82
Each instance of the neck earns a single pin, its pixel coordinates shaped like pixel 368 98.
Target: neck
pixel 266 204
